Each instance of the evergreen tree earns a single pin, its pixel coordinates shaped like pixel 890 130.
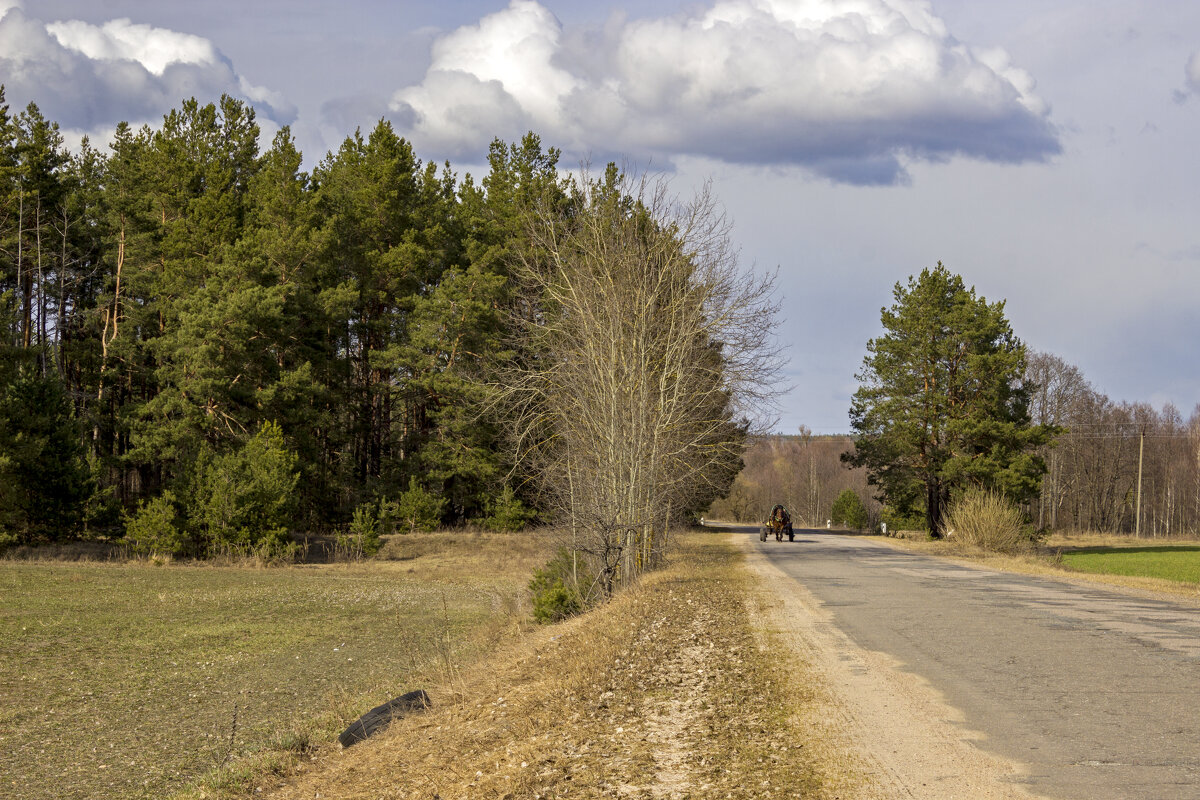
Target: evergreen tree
pixel 848 510
pixel 245 497
pixel 943 402
pixel 368 194
pixel 44 480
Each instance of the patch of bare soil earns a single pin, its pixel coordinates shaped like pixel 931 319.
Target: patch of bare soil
pixel 883 733
pixel 666 692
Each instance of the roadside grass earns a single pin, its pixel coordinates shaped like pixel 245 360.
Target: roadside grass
pixel 133 680
pixel 669 690
pixel 1173 563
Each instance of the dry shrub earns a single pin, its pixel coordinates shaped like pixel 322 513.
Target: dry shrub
pixel 989 521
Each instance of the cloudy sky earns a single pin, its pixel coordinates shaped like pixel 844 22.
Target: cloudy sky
pixel 1047 150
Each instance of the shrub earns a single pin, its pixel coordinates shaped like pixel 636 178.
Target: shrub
pixel 848 510
pixel 44 478
pixel 990 521
pixel 556 595
pixel 897 521
pixel 363 538
pixel 153 530
pixel 244 498
pixel 508 513
pixel 418 508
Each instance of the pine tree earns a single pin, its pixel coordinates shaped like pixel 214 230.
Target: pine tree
pixel 943 402
pixel 44 480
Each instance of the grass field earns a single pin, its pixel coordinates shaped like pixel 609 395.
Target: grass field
pixel 130 680
pixel 1169 562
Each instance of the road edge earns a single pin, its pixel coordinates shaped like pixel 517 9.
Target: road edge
pixel 898 732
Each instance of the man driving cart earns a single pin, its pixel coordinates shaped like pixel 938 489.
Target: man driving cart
pixel 779 523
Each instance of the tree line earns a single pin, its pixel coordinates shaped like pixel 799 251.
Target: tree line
pixel 805 473
pixel 1116 467
pixel 200 331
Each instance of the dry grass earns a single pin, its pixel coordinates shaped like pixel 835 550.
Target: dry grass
pixel 132 680
pixel 666 692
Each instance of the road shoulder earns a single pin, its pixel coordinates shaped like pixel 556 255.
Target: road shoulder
pixel 887 724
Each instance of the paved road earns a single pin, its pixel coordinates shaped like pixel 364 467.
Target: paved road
pixel 1097 692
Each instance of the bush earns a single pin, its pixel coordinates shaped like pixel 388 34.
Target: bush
pixel 153 529
pixel 555 593
pixel 508 513
pixel 363 538
pixel 419 509
pixel 848 510
pixel 244 498
pixel 988 520
pixel 897 521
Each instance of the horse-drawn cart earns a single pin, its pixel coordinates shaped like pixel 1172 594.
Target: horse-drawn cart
pixel 778 523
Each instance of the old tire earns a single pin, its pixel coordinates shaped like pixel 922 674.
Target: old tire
pixel 380 717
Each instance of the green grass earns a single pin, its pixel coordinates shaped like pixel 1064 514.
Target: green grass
pixel 129 680
pixel 1175 563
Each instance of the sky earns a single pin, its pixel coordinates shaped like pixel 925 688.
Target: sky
pixel 1046 150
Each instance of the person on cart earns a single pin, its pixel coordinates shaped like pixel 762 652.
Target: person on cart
pixel 780 522
pixel 779 517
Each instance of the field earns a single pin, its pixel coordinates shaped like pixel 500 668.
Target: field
pixel 132 680
pixel 1168 562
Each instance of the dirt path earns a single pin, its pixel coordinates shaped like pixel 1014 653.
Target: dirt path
pixel 906 739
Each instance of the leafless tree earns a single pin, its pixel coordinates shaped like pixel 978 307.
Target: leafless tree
pixel 645 352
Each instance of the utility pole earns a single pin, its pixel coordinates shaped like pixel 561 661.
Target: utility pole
pixel 1137 525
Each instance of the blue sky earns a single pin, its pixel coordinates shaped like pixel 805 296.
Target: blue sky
pixel 1046 150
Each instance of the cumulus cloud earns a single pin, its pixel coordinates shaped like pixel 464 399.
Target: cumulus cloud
pixel 89 77
pixel 849 89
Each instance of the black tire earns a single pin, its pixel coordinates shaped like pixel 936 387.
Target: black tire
pixel 380 717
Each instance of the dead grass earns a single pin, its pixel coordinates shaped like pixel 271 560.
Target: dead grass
pixel 666 692
pixel 132 680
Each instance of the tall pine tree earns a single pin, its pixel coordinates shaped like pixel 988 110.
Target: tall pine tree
pixel 943 403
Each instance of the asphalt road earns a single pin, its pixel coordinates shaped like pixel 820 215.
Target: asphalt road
pixel 1097 692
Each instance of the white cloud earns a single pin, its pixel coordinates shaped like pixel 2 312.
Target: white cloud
pixel 846 88
pixel 89 77
pixel 120 40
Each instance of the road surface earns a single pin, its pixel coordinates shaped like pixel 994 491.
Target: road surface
pixel 1071 691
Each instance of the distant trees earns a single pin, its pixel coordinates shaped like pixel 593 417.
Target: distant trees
pixel 1102 448
pixel 943 402
pixel 803 472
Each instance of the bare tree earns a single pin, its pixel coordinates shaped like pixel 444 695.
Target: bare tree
pixel 645 353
